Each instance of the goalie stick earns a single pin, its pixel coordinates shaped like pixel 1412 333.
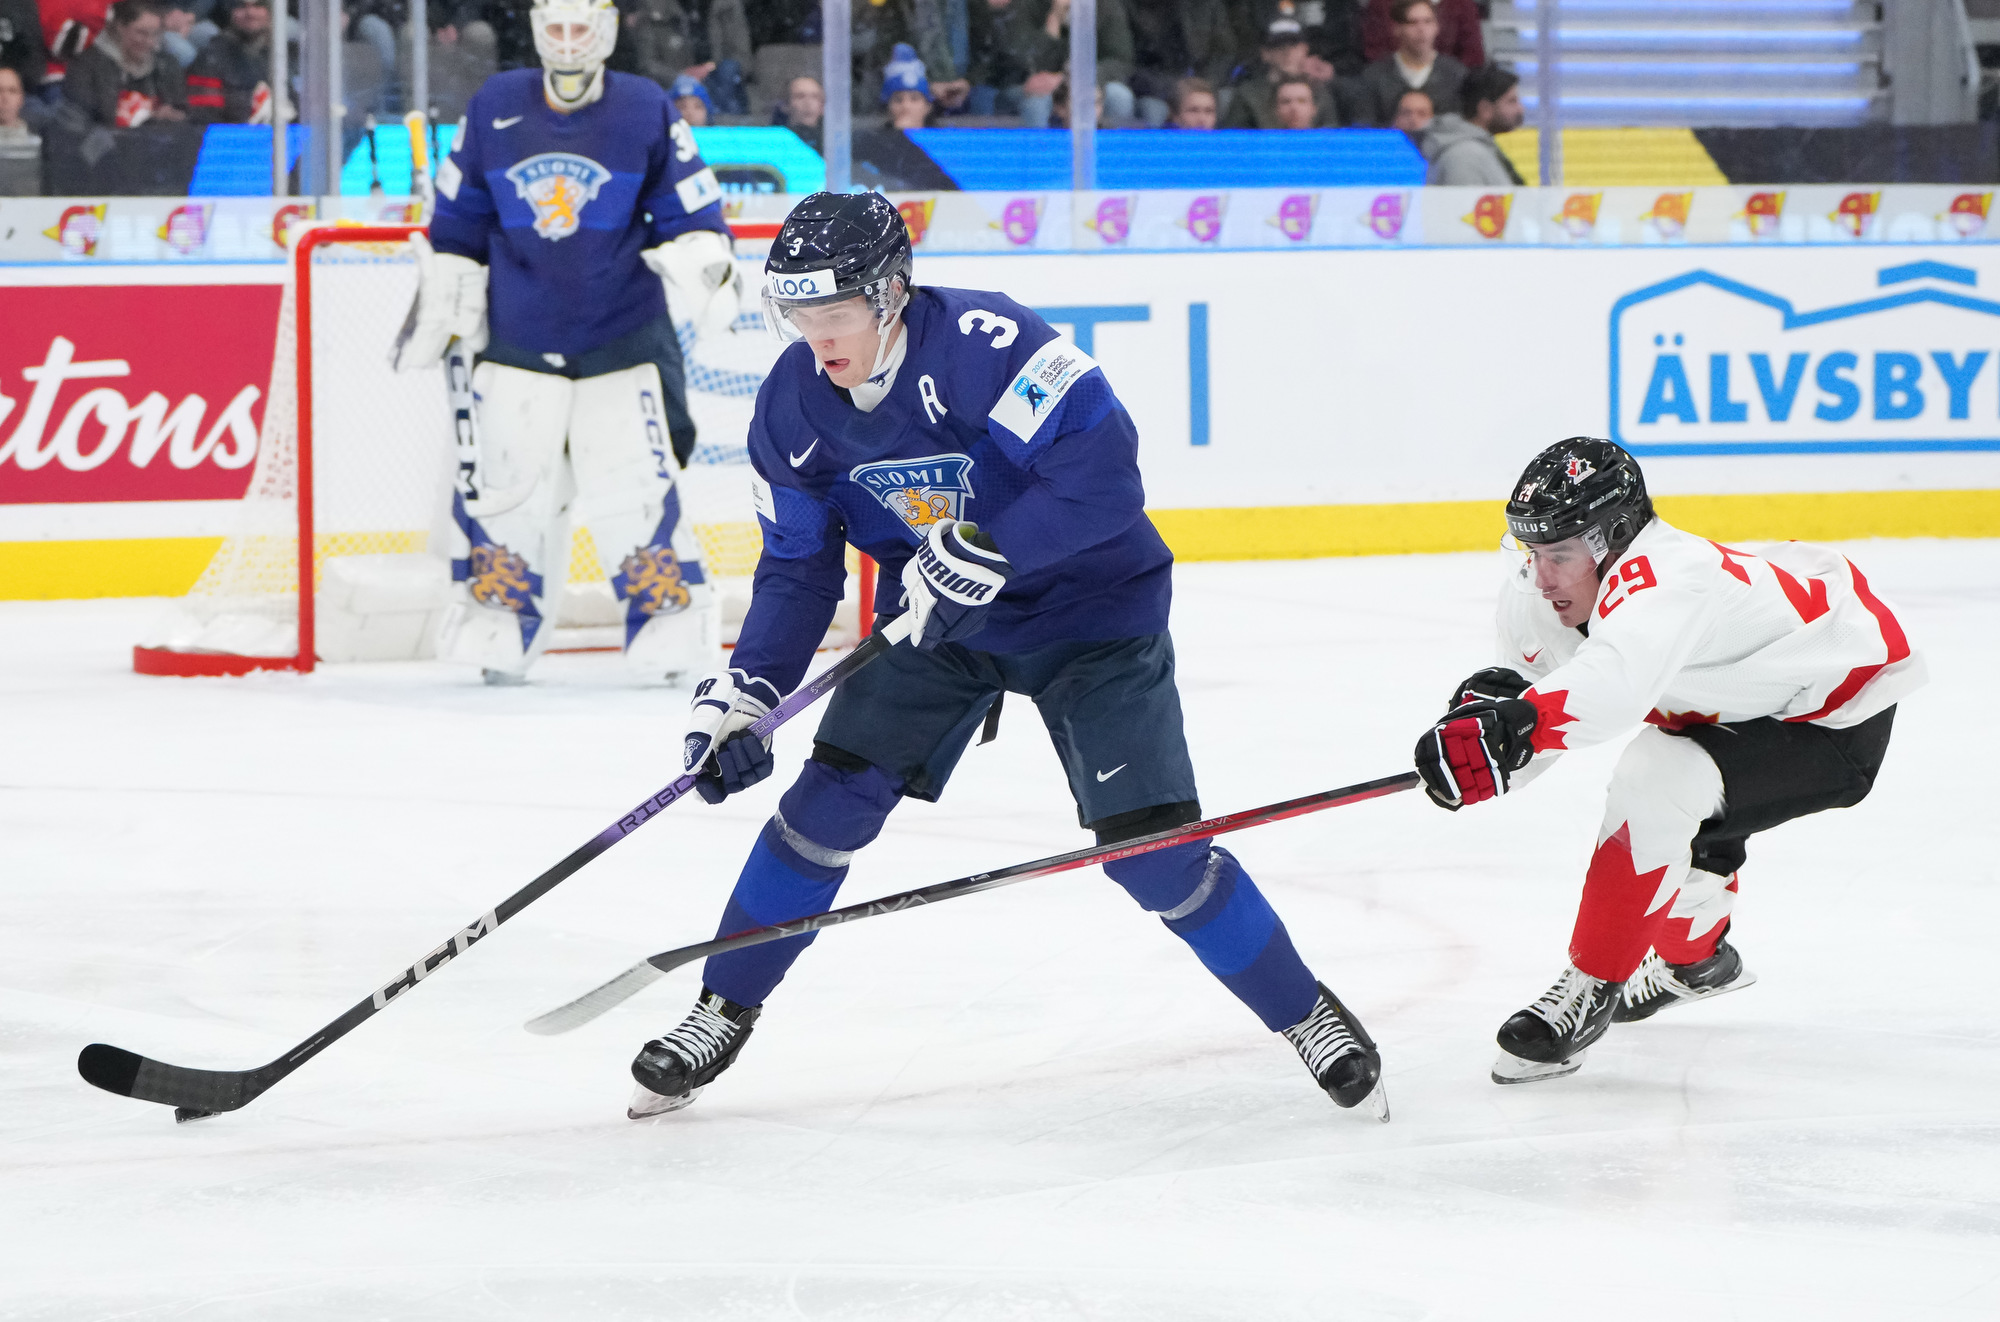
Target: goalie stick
pixel 196 1093
pixel 651 969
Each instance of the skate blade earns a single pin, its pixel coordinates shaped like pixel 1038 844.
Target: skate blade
pixel 1376 1103
pixel 646 1104
pixel 1510 1068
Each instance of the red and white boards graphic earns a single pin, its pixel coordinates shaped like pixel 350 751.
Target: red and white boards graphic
pixel 132 392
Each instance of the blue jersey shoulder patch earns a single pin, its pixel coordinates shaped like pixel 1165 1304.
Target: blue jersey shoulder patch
pixel 1039 386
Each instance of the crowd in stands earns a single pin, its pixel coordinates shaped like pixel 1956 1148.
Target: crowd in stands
pixel 75 66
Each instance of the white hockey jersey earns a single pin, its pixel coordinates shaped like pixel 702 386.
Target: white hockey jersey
pixel 1688 631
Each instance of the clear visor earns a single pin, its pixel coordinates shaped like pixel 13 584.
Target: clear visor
pixel 1585 549
pixel 820 321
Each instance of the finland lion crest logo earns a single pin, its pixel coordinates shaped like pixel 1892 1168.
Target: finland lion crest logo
pixel 920 492
pixel 558 185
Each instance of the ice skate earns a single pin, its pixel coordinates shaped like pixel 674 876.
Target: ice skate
pixel 1659 985
pixel 503 679
pixel 1548 1039
pixel 672 1070
pixel 1340 1054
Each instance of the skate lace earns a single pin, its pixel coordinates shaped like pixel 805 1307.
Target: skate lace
pixel 1321 1038
pixel 1565 1005
pixel 700 1038
pixel 1652 979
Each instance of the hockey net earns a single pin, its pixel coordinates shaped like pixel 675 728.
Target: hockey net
pixel 340 546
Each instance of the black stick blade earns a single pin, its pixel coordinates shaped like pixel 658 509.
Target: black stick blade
pixel 130 1075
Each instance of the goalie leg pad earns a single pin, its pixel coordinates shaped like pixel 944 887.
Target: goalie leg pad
pixel 796 868
pixel 627 497
pixel 1664 788
pixel 512 566
pixel 1204 897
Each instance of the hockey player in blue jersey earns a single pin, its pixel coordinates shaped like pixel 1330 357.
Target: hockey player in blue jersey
pixel 954 437
pixel 569 194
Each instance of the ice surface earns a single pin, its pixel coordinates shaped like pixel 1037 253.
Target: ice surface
pixel 1029 1104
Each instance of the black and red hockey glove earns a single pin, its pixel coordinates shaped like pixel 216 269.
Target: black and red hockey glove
pixel 1489 685
pixel 1468 756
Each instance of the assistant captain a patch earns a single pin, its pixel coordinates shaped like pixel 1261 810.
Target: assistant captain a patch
pixel 920 492
pixel 557 185
pixel 1041 385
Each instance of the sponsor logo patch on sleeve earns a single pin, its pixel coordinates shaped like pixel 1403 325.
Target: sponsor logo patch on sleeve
pixel 698 190
pixel 1033 395
pixel 760 497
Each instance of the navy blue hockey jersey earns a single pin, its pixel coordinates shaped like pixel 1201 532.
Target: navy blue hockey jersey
pixel 992 417
pixel 559 207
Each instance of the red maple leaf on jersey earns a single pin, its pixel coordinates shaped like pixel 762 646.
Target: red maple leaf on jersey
pixel 1617 919
pixel 1549 713
pixel 1680 720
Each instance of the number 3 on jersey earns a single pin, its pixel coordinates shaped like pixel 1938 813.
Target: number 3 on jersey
pixel 1004 329
pixel 1635 575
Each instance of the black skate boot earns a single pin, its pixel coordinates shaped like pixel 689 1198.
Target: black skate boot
pixel 1547 1040
pixel 1658 984
pixel 672 1070
pixel 1341 1055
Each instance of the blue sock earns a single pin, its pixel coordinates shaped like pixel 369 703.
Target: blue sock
pixel 1207 900
pixel 796 868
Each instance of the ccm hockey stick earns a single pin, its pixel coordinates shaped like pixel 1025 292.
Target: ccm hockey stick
pixel 650 970
pixel 195 1094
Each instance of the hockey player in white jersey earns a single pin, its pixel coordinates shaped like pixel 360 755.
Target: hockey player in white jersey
pixel 1767 683
pixel 569 193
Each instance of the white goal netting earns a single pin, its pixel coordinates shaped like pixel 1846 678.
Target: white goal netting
pixel 381 465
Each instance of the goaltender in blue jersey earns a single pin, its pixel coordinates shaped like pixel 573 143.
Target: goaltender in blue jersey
pixel 985 461
pixel 569 195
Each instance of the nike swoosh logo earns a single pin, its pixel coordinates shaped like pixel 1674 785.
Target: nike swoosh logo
pixel 1103 776
pixel 1531 659
pixel 798 459
pixel 508 123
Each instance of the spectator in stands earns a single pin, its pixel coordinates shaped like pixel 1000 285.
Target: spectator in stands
pixel 1416 62
pixel 69 27
pixel 22 48
pixel 906 91
pixel 497 32
pixel 1461 149
pixel 125 79
pixel 1001 37
pixel 1193 104
pixel 230 80
pixel 1294 103
pixel 691 99
pixel 785 23
pixel 804 108
pixel 1173 40
pixel 1414 113
pixel 1283 54
pixel 1458 31
pixel 671 39
pixel 1050 58
pixel 20 148
pixel 880 27
pixel 184 31
pixel 1059 105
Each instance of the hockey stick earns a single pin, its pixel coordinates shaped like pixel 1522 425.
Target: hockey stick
pixel 195 1093
pixel 650 970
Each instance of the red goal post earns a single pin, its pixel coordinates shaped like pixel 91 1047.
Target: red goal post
pixel 257 605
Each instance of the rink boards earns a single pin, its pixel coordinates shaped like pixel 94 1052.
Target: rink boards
pixel 1290 404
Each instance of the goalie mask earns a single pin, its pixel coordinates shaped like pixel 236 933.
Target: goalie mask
pixel 574 38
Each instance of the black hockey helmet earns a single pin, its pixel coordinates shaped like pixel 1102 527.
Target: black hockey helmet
pixel 834 246
pixel 1581 487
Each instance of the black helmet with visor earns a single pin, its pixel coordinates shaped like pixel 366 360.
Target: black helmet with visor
pixel 1582 487
pixel 832 248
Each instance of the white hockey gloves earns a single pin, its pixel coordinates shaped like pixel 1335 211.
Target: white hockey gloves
pixel 951 582
pixel 722 757
pixel 702 283
pixel 451 300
